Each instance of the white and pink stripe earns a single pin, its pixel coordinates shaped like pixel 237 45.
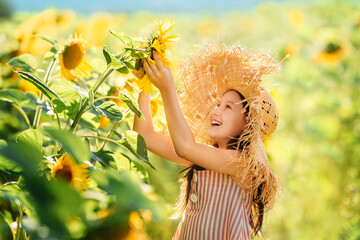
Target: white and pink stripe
pixel 218 209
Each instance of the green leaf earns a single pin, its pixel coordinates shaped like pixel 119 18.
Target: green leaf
pixel 32 137
pixel 65 90
pixel 2 143
pixel 13 96
pixel 110 110
pixel 139 167
pixel 131 103
pixel 26 61
pixel 46 38
pixel 105 157
pixel 7 167
pixel 107 54
pixel 138 64
pixel 76 147
pixel 31 104
pixel 26 101
pixel 123 37
pixel 135 143
pixel 129 65
pixel 50 55
pixel 140 39
pixel 120 185
pixel 14 193
pixel 123 162
pixel 123 70
pixel 24 154
pixel 116 63
pixel 40 85
pixel 90 121
pixel 8 175
pixel 138 53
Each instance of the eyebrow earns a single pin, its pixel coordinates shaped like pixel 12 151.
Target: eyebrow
pixel 229 101
pixel 234 103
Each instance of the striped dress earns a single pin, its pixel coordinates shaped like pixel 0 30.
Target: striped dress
pixel 218 209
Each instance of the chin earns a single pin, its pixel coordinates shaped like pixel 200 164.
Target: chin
pixel 213 138
pixel 211 135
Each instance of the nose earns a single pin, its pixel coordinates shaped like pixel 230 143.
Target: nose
pixel 216 111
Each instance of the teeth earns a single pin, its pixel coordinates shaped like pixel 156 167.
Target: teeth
pixel 216 123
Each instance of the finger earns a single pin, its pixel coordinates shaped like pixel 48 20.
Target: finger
pixel 153 66
pixel 148 69
pixel 158 61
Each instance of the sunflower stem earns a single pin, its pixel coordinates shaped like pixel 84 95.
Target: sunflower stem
pixel 24 115
pixel 100 137
pixel 107 72
pixel 9 224
pixel 107 68
pixel 67 122
pixel 57 115
pixel 110 133
pixel 84 106
pixel 46 80
pixel 18 223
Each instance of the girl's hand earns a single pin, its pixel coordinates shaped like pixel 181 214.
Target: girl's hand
pixel 160 76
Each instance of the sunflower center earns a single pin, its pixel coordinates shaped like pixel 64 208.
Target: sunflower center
pixel 73 55
pixel 64 173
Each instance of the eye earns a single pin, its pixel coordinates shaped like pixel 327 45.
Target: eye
pixel 228 106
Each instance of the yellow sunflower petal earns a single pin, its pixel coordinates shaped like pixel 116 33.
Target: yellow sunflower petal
pixel 145 84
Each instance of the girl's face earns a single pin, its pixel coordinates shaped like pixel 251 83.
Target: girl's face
pixel 226 120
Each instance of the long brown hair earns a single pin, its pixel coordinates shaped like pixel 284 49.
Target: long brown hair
pixel 257 203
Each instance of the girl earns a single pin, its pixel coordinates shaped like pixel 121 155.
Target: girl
pixel 217 133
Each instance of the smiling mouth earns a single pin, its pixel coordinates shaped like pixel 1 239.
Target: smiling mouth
pixel 215 123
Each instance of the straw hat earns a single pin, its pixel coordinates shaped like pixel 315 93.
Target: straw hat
pixel 205 76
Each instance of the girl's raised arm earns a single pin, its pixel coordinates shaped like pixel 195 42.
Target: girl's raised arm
pixel 157 143
pixel 182 138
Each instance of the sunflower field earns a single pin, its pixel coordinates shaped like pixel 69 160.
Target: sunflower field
pixel 71 167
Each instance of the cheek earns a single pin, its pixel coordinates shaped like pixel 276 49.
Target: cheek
pixel 240 124
pixel 233 124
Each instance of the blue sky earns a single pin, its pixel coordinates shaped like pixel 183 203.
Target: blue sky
pixel 89 6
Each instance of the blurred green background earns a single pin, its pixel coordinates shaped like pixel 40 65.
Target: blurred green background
pixel 315 150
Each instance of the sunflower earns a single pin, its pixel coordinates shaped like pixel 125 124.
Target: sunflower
pixel 73 63
pixel 43 23
pixel 136 227
pixel 157 41
pixel 296 18
pixel 68 170
pixel 331 55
